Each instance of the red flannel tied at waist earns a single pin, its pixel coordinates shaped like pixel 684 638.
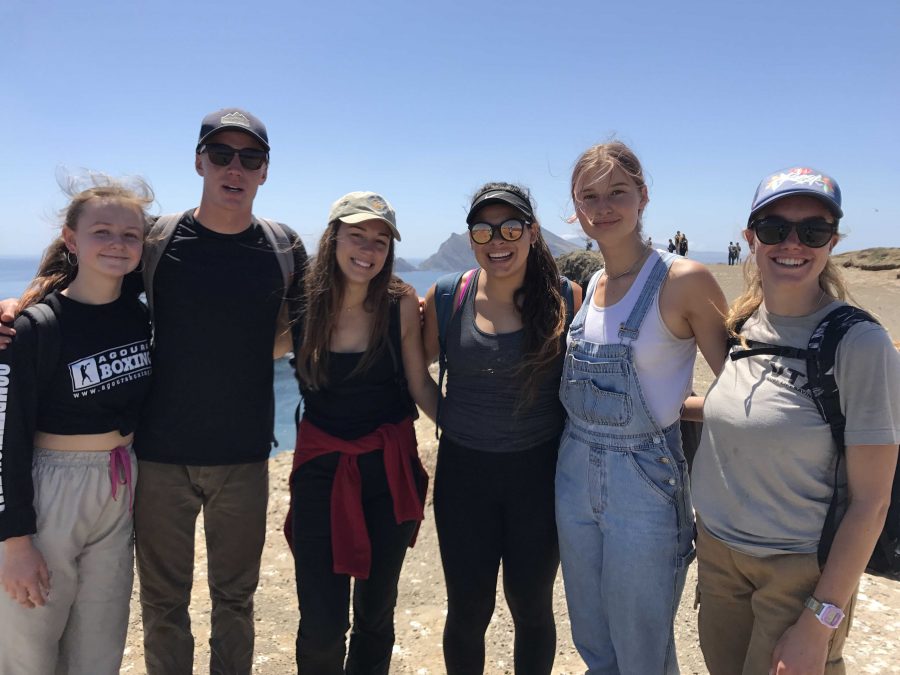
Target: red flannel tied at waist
pixel 407 481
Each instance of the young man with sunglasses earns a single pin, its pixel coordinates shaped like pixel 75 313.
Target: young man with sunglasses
pixel 217 283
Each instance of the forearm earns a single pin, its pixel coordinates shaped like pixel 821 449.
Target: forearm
pixel 692 410
pixel 853 544
pixel 425 394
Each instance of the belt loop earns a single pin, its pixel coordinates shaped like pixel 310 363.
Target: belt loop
pixel 120 467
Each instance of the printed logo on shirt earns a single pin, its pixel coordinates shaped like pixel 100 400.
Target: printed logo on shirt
pixel 788 378
pixel 110 368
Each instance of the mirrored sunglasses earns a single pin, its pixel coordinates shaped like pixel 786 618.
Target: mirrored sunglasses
pixel 510 230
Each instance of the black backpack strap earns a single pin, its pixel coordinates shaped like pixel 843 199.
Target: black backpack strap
pixel 395 349
pixel 820 361
pixel 46 324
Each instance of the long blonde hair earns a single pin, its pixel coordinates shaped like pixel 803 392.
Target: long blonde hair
pixel 830 280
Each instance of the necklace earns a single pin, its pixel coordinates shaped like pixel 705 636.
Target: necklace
pixel 612 277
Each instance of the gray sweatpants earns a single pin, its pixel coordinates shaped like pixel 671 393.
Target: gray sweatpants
pixel 85 536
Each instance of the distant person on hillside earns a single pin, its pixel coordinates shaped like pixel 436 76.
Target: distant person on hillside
pixel 623 503
pixel 737 252
pixel 500 421
pixel 359 358
pixel 671 246
pixel 678 238
pixel 650 242
pixel 776 592
pixel 68 472
pixel 683 247
pixel 731 253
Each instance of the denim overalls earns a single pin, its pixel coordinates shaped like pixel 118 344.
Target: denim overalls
pixel 623 507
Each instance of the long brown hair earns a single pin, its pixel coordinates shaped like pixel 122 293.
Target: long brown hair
pixel 324 289
pixel 57 270
pixel 538 301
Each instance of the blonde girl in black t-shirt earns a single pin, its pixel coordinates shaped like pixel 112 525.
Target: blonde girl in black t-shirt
pixel 66 468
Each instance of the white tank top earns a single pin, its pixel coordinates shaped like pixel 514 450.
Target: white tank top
pixel 664 363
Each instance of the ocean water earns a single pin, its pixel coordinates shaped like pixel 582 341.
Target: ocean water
pixel 17 272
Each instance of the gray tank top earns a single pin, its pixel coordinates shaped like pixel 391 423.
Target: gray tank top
pixel 483 389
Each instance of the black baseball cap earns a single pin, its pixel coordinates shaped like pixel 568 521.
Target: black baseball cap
pixel 500 196
pixel 233 118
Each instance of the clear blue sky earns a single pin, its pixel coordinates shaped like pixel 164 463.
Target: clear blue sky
pixel 424 101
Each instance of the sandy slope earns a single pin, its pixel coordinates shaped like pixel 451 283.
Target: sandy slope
pixel 873 646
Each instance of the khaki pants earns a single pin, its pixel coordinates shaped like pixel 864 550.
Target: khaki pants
pixel 747 602
pixel 85 537
pixel 168 501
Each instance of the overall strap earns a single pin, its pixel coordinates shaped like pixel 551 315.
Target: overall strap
pixel 629 331
pixel 581 314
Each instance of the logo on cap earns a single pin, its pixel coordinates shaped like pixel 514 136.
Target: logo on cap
pixel 801 177
pixel 235 118
pixel 377 203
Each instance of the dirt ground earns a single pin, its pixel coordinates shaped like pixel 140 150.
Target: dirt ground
pixel 873 645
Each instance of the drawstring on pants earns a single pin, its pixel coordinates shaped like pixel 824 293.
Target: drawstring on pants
pixel 120 473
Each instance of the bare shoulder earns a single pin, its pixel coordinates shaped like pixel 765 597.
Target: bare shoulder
pixel 685 269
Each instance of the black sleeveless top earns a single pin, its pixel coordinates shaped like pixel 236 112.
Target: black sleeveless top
pixel 348 406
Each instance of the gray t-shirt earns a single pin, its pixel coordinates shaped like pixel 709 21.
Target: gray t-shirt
pixel 763 476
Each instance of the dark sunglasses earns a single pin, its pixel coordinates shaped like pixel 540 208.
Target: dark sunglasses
pixel 221 155
pixel 510 230
pixel 812 232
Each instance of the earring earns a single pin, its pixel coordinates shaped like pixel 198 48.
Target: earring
pixel 69 258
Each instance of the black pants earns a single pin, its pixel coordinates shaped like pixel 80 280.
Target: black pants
pixel 323 596
pixel 490 507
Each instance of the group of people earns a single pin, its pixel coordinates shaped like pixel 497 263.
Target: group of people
pixel 679 244
pixel 560 438
pixel 734 252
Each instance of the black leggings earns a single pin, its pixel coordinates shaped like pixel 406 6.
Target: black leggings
pixel 490 506
pixel 323 596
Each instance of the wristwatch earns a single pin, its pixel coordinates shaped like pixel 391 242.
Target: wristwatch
pixel 827 614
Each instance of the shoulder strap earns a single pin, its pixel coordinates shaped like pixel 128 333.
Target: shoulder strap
pixel 46 324
pixel 444 292
pixel 820 359
pixel 157 239
pixel 282 245
pixel 821 354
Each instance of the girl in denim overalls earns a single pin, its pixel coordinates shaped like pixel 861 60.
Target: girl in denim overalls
pixel 623 505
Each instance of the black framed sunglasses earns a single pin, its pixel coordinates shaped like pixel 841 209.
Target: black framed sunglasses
pixel 221 155
pixel 812 232
pixel 510 230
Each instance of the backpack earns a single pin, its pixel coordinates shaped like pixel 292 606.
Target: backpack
pixel 820 356
pixel 445 290
pixel 162 231
pixel 49 345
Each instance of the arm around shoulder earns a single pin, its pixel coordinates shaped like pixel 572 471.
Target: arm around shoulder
pixel 422 387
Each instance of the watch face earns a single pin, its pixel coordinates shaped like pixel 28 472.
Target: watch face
pixel 831 616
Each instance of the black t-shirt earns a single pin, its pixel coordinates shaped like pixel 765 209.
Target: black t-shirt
pixel 216 303
pixel 97 385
